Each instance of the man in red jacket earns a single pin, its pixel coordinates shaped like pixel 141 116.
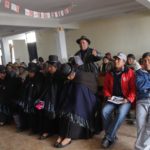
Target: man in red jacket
pixel 119 90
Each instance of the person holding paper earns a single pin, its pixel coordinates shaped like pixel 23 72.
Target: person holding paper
pixel 120 82
pixel 88 55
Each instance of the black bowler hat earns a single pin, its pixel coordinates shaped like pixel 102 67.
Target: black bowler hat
pixel 66 69
pixel 52 59
pixel 33 67
pixel 83 38
pixel 2 69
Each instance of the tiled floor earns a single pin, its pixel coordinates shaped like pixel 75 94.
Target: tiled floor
pixel 10 140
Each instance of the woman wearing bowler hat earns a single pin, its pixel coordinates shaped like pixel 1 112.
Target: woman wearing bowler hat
pixel 77 105
pixel 52 88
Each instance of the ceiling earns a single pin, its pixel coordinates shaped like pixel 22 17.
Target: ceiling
pixel 82 10
pixel 13 30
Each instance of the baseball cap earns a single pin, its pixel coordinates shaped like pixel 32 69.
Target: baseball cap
pixel 121 55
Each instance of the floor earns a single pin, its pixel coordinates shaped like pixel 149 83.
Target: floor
pixel 11 140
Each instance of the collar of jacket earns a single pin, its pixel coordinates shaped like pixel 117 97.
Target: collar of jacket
pixel 143 70
pixel 124 70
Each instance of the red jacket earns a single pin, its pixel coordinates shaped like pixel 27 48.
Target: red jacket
pixel 127 84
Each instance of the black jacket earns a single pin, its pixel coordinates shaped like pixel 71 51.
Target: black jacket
pixel 31 91
pixel 9 89
pixel 88 60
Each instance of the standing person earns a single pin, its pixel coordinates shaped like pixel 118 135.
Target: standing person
pixel 88 55
pixel 77 106
pixel 31 91
pixel 121 84
pixel 143 104
pixel 52 89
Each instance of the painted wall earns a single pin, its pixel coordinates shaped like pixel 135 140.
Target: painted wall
pixel 21 51
pixel 51 42
pixel 129 33
pixel 46 42
pixel 6 48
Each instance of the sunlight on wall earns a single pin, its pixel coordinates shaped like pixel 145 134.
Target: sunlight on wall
pixel 30 37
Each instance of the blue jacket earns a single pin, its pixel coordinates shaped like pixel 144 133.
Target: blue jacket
pixel 142 84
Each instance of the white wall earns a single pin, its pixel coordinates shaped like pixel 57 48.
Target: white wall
pixel 21 51
pixel 6 51
pixel 129 33
pixel 46 43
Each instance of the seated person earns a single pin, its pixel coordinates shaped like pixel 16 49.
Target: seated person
pixel 121 83
pixel 106 66
pixel 143 103
pixel 132 63
pixel 77 105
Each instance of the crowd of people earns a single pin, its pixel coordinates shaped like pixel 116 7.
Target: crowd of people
pixel 77 99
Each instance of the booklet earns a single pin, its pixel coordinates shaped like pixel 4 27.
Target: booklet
pixel 116 100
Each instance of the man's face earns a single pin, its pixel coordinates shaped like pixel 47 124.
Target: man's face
pixel 130 61
pixel 146 63
pixel 84 44
pixel 119 63
pixel 52 69
pixel 2 76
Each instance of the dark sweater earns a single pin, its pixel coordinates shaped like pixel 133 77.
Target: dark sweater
pixel 117 91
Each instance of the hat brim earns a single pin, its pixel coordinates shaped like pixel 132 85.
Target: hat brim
pixel 78 40
pixel 115 57
pixel 68 72
pixel 119 58
pixel 51 62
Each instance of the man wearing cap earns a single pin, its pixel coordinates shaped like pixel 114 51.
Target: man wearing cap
pixel 88 55
pixel 143 103
pixel 120 83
